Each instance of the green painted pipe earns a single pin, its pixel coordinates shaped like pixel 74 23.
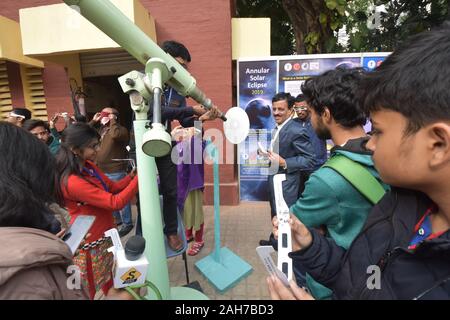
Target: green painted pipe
pixel 152 228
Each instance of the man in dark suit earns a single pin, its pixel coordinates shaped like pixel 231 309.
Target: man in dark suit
pixel 290 152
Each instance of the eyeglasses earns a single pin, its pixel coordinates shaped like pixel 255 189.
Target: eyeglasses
pixel 300 109
pixel 13 115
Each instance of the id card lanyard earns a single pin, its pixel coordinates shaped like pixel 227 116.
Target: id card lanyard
pixel 94 173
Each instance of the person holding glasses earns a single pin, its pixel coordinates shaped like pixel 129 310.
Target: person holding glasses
pixel 88 191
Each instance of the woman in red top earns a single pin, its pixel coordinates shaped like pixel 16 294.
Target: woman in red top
pixel 87 191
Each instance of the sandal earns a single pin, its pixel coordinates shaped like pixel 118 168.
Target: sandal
pixel 195 248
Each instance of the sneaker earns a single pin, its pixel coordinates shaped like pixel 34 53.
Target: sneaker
pixel 125 229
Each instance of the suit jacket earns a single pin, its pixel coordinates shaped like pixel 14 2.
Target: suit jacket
pixel 294 145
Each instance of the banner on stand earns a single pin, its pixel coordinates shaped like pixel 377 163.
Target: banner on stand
pixel 258 81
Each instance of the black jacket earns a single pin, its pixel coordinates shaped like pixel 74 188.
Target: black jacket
pixel 405 274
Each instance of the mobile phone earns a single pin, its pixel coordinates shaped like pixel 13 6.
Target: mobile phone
pixel 77 231
pixel 264 252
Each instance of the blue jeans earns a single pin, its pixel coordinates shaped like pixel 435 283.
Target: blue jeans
pixel 125 213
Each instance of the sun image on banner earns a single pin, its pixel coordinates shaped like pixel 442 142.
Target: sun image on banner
pixel 295 70
pixel 257 85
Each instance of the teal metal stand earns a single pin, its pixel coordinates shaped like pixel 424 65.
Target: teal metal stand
pixel 223 268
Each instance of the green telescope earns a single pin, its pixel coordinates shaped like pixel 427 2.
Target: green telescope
pixel 105 16
pixel 145 89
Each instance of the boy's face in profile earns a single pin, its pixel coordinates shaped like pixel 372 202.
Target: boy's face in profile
pixel 401 159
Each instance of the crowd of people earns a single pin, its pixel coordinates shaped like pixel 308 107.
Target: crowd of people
pixel 377 201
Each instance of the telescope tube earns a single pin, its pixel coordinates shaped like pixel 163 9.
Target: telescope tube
pixel 105 16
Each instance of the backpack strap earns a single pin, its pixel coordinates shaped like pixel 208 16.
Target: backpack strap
pixel 358 176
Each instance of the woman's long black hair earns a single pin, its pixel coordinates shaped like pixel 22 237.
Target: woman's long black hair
pixel 75 137
pixel 28 180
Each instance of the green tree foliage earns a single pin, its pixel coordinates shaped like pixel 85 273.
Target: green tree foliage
pixel 311 26
pixel 398 20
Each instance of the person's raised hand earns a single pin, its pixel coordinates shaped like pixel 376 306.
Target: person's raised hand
pixel 177 133
pixel 112 118
pixel 278 291
pixel 53 120
pixel 97 117
pixel 212 114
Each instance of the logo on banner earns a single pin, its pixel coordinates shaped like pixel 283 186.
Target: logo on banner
pixel 305 66
pixel 297 66
pixel 288 67
pixel 372 64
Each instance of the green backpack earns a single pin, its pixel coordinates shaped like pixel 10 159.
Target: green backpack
pixel 358 176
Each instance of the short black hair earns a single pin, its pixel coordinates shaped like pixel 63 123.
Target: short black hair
pixel 337 90
pixel 28 180
pixel 34 123
pixel 284 96
pixel 300 98
pixel 176 49
pixel 414 80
